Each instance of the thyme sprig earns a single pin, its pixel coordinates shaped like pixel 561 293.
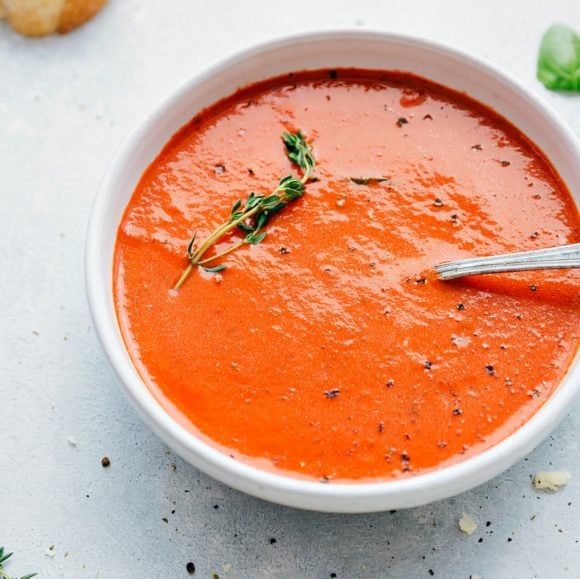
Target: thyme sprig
pixel 3 575
pixel 252 215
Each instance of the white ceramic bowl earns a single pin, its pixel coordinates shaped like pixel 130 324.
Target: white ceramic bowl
pixel 311 51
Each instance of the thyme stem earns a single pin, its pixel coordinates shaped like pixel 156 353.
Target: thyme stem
pixel 222 254
pixel 184 276
pixel 220 232
pixel 253 215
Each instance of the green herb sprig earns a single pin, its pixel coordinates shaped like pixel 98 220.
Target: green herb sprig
pixel 254 214
pixel 3 575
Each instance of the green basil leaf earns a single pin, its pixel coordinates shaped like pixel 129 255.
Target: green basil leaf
pixel 559 59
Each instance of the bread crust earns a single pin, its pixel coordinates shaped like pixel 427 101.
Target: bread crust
pixel 42 17
pixel 77 12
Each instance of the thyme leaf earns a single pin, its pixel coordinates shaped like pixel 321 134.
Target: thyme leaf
pixel 3 575
pixel 368 180
pixel 252 215
pixel 215 269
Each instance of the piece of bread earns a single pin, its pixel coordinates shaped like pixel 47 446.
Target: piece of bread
pixel 41 17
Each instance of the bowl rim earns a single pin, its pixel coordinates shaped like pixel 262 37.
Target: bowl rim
pixel 278 487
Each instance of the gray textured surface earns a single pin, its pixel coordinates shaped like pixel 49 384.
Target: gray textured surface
pixel 65 104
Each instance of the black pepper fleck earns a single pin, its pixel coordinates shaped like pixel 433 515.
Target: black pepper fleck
pixel 251 172
pixel 332 74
pixel 272 541
pixel 533 287
pixel 428 365
pixel 457 412
pixel 284 250
pixel 489 369
pixel 401 121
pixel 390 383
pixel 219 169
pixel 105 462
pixel 505 163
pixel 460 307
pixel 431 572
pixel 477 147
pixel 428 116
pixel 190 568
pixel 332 393
pixel 438 202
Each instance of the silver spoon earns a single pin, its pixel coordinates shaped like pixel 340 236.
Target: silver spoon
pixel 563 257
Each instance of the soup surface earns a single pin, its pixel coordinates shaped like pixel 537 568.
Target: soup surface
pixel 330 351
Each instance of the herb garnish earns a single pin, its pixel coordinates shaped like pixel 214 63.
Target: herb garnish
pixel 3 575
pixel 252 215
pixel 559 59
pixel 368 180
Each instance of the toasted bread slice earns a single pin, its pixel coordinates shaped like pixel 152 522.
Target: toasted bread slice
pixel 41 17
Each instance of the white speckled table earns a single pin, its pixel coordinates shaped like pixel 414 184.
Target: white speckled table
pixel 65 104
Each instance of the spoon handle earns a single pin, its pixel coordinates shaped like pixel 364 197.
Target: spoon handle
pixel 563 257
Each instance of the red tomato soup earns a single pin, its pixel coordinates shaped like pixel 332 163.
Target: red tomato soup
pixel 330 351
